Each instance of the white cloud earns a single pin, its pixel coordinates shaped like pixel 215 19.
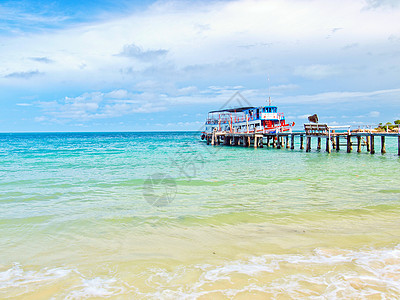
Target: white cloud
pixel 292 30
pixel 374 114
pixel 135 51
pixel 118 94
pixel 284 87
pixel 382 3
pixel 303 117
pixel 316 71
pixel 391 95
pixel 176 53
pixel 95 105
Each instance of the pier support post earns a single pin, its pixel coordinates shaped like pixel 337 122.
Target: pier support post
pixel 383 146
pixel 398 145
pixel 208 140
pixel 278 146
pixel 308 144
pixel 368 141
pixel 261 142
pixel 319 143
pixel 358 144
pixel 255 141
pixel 212 139
pixel 287 142
pixel 372 144
pixel 301 142
pixel 292 143
pixel 328 144
pixel 234 141
pixel 267 141
pixel 348 143
pixel 337 143
pixel 248 141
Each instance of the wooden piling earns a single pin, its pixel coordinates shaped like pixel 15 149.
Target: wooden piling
pixel 234 141
pixel 337 143
pixel 328 144
pixel 398 145
pixel 287 140
pixel 308 144
pixel 372 144
pixel 292 143
pixel 348 143
pixel 383 146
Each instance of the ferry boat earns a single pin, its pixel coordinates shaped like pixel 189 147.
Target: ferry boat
pixel 262 119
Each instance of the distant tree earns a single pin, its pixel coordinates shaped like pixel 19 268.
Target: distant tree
pixel 387 126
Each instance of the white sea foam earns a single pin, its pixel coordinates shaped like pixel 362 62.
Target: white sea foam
pixel 96 287
pixel 349 275
pixel 18 278
pixel 323 274
pixel 251 267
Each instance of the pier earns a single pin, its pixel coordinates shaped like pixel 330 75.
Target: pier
pixel 328 138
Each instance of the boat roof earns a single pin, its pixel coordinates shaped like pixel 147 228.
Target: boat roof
pixel 238 109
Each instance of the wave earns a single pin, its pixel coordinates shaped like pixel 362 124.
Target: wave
pixel 324 273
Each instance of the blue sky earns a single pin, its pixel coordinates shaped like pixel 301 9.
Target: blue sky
pixel 162 65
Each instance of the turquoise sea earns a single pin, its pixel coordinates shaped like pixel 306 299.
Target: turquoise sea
pixel 163 216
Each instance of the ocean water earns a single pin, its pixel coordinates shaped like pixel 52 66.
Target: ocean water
pixel 162 215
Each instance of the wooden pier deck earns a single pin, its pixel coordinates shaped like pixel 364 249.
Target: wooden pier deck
pixel 333 140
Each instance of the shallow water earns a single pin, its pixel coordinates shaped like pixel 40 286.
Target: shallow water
pixel 150 215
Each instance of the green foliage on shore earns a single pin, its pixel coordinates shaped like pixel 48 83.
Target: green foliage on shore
pixel 388 126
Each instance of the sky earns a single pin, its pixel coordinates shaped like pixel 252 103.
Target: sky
pixel 119 65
